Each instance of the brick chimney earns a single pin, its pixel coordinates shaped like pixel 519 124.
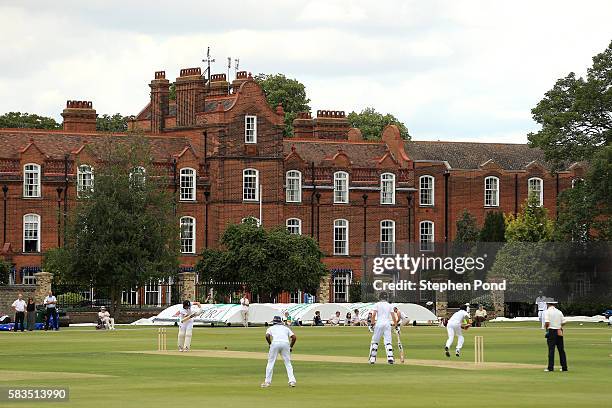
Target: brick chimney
pixel 303 126
pixel 218 85
pixel 160 93
pixel 189 92
pixel 330 124
pixel 241 77
pixel 79 116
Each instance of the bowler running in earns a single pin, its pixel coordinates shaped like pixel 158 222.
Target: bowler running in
pixel 458 321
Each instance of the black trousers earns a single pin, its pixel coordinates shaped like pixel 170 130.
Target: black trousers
pixel 19 319
pixel 50 315
pixel 554 340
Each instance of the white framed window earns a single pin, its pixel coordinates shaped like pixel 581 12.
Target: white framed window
pixel 296 297
pixel 387 188
pixel 31 180
pixel 426 235
pixel 138 175
pixel 188 184
pixel 250 129
pixel 342 281
pixel 387 237
pixel 535 185
pixel 491 191
pixel 31 233
pixel 188 240
pixel 250 185
pixel 294 225
pixel 153 292
pixel 252 219
pixel 85 179
pixel 28 278
pixel 129 297
pixel 341 244
pixel 426 190
pixel 341 181
pixel 293 180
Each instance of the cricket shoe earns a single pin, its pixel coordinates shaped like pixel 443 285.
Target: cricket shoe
pixel 457 353
pixel 372 361
pixel 446 352
pixel 546 370
pixel 292 384
pixel 391 361
pixel 265 385
pixel 180 349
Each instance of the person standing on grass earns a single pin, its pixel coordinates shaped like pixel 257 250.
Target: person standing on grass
pixel 31 317
pixel 51 311
pixel 382 318
pixel 244 309
pixel 19 306
pixel 281 340
pixel 458 321
pixel 186 315
pixel 541 303
pixel 554 322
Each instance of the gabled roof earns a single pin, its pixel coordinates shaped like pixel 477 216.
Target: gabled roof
pixel 361 154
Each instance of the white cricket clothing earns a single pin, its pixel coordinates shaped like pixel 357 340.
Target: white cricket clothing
pixel 279 333
pixel 383 313
pixel 457 318
pixel 541 302
pixel 454 330
pixel 50 301
pixel 276 348
pixel 184 313
pixel 555 317
pixel 19 305
pixel 244 302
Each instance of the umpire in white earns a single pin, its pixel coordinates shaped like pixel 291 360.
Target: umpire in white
pixel 554 322
pixel 281 339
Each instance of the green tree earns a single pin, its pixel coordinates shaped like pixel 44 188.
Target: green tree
pixel 288 92
pixel 267 262
pixel 114 123
pixel 531 224
pixel 5 269
pixel 172 94
pixel 467 230
pixel 372 123
pixel 123 233
pixel 27 121
pixel 494 228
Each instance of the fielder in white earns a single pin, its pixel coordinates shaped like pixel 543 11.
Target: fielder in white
pixel 458 321
pixel 185 322
pixel 382 317
pixel 541 302
pixel 244 309
pixel 281 340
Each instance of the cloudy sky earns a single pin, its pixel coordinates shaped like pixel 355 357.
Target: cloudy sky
pixel 450 70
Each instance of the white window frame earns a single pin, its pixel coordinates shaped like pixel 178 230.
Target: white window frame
pixel 187 183
pixel 341 224
pixel 244 184
pixel 430 190
pixel 28 278
pixel 427 244
pixel 153 289
pixel 82 171
pixel 297 223
pixel 34 170
pixel 183 223
pixel 293 181
pixel 387 188
pixel 299 297
pixel 529 189
pixel 250 129
pixel 341 187
pixel 37 231
pixel 491 195
pixel 341 280
pixel 387 246
pixel 141 172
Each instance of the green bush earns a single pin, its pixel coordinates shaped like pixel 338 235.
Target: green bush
pixel 70 298
pixel 4 272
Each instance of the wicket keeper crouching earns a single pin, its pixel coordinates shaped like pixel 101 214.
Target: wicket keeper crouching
pixel 281 340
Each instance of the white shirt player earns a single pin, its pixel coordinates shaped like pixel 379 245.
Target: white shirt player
pixel 280 333
pixel 186 312
pixel 383 311
pixel 458 317
pixel 541 302
pixel 244 302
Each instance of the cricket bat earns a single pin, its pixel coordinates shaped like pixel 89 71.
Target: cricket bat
pixel 401 347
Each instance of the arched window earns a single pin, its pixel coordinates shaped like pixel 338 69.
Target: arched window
pixel 535 186
pixel 294 186
pixel 387 237
pixel 251 220
pixel 341 244
pixel 426 235
pixel 250 185
pixel 85 179
pixel 341 179
pixel 31 233
pixel 387 188
pixel 491 191
pixel 426 191
pixel 294 225
pixel 31 180
pixel 188 240
pixel 188 184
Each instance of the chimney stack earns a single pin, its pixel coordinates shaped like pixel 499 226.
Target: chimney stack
pixel 189 92
pixel 303 126
pixel 330 124
pixel 218 85
pixel 241 77
pixel 160 94
pixel 79 116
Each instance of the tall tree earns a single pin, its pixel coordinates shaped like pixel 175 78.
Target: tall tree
pixel 372 123
pixel 289 92
pixel 531 224
pixel 27 121
pixel 114 123
pixel 267 262
pixel 123 233
pixel 467 230
pixel 494 228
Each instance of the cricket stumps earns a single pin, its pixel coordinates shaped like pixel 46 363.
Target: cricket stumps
pixel 478 349
pixel 161 339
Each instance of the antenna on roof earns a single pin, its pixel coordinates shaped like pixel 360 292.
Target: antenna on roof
pixel 229 67
pixel 236 64
pixel 208 60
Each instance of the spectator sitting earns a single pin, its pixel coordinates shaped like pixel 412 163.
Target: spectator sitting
pixel 355 321
pixel 480 316
pixel 334 320
pixel 287 319
pixel 347 319
pixel 107 321
pixel 317 321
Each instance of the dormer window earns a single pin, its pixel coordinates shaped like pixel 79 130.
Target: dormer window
pixel 188 184
pixel 250 129
pixel 31 180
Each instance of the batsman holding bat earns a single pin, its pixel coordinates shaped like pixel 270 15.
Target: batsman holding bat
pixel 401 317
pixel 186 316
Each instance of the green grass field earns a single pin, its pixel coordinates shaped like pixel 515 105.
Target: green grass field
pixel 146 380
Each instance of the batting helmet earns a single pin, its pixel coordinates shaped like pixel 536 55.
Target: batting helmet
pixel 277 320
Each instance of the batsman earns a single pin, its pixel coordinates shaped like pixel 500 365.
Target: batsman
pixel 186 315
pixel 382 316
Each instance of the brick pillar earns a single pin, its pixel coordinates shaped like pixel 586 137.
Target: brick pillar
pixel 323 292
pixel 441 300
pixel 43 286
pixel 498 297
pixel 187 282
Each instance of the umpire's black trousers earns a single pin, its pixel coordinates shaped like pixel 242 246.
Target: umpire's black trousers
pixel 554 340
pixel 19 319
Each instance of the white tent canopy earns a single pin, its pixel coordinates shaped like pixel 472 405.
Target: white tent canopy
pixel 412 310
pixel 222 314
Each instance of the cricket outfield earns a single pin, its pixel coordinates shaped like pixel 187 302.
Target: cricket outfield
pixel 226 366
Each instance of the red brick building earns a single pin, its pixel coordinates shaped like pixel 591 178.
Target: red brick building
pixel 223 146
